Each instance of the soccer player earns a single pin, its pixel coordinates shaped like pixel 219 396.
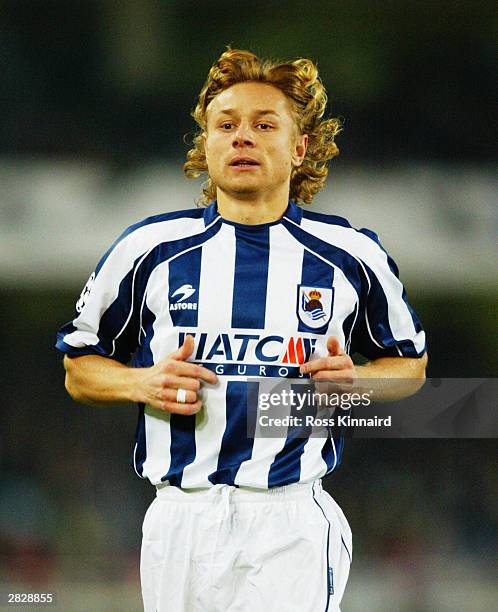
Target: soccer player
pixel 207 301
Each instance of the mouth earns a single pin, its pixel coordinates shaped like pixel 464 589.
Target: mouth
pixel 243 162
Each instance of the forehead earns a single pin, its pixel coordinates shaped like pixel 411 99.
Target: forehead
pixel 250 98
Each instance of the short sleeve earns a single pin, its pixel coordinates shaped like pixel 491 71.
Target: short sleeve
pixel 107 318
pixel 386 326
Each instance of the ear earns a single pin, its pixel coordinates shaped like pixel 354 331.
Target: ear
pixel 204 141
pixel 300 148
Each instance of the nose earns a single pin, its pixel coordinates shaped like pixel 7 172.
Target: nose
pixel 243 136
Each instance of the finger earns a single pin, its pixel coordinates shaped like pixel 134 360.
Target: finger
pixel 208 376
pixel 173 382
pixel 186 349
pixel 190 370
pixel 334 347
pixel 170 395
pixel 175 407
pixel 185 409
pixel 326 363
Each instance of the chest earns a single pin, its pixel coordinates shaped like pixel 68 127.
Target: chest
pixel 266 302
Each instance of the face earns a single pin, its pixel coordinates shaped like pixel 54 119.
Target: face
pixel 252 142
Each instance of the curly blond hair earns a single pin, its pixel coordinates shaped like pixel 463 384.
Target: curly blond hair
pixel 300 82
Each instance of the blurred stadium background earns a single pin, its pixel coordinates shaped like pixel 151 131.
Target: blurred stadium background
pixel 95 99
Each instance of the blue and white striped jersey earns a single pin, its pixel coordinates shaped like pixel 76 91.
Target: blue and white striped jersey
pixel 259 300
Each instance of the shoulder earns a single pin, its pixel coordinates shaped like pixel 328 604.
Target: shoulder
pixel 326 219
pixel 338 232
pixel 139 238
pixel 163 227
pixel 163 222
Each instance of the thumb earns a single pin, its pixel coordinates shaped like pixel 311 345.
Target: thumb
pixel 334 347
pixel 186 349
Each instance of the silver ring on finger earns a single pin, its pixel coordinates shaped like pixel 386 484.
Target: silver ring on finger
pixel 181 396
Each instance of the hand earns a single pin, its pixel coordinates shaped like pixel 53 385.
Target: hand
pixel 337 366
pixel 158 385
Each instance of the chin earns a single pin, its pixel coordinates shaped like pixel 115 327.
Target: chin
pixel 240 190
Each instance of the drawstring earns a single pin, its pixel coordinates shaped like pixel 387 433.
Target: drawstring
pixel 226 494
pixel 225 499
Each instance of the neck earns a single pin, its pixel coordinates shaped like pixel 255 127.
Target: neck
pixel 251 210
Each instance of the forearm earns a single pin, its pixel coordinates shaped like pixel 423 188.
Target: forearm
pixel 97 380
pixel 93 379
pixel 394 367
pixel 393 378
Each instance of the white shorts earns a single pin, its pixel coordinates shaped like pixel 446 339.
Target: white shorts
pixel 228 549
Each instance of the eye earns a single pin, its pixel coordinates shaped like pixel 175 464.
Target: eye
pixel 226 125
pixel 264 126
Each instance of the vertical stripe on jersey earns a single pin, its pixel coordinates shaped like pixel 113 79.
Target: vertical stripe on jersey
pixel 157 430
pixel 237 442
pixel 184 273
pixel 286 467
pixel 284 275
pixel 215 313
pixel 182 447
pixel 316 273
pixel 210 425
pixel 312 463
pixel 251 277
pixel 322 455
pixel 216 281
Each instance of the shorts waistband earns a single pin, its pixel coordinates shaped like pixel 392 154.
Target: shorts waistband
pixel 238 494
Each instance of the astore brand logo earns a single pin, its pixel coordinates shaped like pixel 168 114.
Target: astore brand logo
pixel 185 292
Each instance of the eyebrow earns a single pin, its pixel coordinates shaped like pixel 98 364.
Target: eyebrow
pixel 258 113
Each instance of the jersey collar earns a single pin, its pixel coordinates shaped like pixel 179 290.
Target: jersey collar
pixel 293 213
pixel 210 213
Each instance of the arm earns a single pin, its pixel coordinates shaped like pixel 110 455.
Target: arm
pixel 97 380
pixel 394 367
pixel 396 377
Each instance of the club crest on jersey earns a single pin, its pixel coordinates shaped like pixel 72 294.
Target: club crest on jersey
pixel 314 305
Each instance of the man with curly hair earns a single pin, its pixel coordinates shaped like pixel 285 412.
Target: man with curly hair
pixel 207 302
